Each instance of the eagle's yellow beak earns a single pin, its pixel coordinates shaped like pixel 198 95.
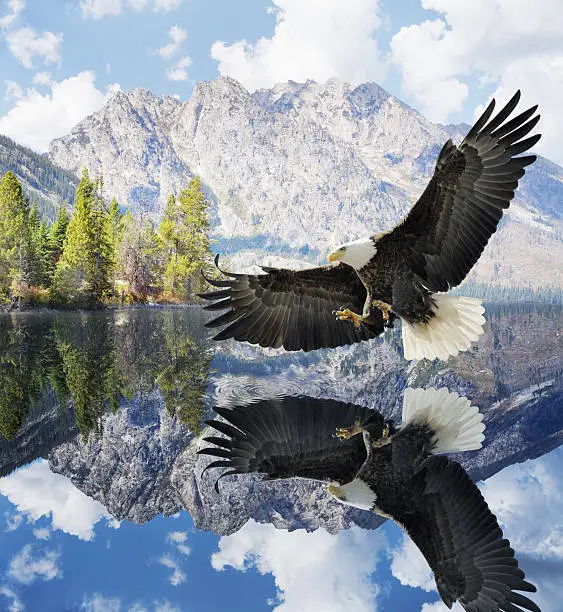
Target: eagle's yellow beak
pixel 336 491
pixel 336 255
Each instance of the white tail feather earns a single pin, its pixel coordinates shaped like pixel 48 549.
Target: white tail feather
pixel 457 322
pixel 458 425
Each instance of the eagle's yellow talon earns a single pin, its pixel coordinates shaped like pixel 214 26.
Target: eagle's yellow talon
pixel 384 307
pixel 348 432
pixel 384 438
pixel 348 315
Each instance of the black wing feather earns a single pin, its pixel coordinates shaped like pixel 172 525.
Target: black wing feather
pixel 450 522
pixel 292 308
pixel 292 437
pixel 453 220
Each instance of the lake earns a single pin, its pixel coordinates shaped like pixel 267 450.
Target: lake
pixel 101 417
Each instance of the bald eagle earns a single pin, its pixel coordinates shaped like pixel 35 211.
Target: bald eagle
pixel 395 473
pixel 399 273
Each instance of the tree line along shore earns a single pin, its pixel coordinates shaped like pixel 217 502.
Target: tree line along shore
pixel 97 255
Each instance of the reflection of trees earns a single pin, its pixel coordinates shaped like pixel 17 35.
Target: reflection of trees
pixel 97 359
pixel 88 355
pixel 27 365
pixel 183 378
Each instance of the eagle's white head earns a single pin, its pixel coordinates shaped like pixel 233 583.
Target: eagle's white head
pixel 356 254
pixel 356 493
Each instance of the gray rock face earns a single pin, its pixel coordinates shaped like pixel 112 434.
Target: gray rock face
pixel 297 169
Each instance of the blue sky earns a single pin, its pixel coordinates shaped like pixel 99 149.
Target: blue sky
pixel 62 551
pixel 59 60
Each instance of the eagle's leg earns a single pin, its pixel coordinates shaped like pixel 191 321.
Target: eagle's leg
pixel 348 432
pixel 384 307
pixel 347 315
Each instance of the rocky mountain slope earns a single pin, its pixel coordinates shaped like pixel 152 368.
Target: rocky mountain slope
pixel 44 183
pixel 296 169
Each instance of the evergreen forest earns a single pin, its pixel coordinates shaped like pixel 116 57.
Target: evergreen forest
pixel 96 254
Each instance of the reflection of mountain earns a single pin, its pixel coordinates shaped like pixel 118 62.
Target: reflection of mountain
pixel 143 462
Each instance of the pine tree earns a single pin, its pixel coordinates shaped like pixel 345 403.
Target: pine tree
pixel 183 233
pixel 15 241
pixel 84 269
pixel 42 257
pixel 114 235
pixel 57 234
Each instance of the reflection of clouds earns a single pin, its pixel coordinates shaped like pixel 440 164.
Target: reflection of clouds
pixel 177 576
pixel 313 571
pixel 27 568
pixel 179 539
pixel 100 603
pixel 438 606
pixel 13 521
pixel 410 568
pixel 37 492
pixel 527 499
pixel 15 604
pixel 42 533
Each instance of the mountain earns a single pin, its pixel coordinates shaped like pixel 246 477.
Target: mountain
pixel 44 183
pixel 297 169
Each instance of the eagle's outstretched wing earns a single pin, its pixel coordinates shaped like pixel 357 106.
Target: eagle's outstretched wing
pixel 451 524
pixel 292 308
pixel 291 437
pixel 473 183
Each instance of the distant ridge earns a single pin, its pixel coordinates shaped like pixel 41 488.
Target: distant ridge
pixel 43 182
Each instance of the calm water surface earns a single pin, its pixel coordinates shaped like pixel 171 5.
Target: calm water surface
pixel 105 508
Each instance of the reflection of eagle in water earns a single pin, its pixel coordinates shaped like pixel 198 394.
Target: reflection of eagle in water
pixel 395 473
pixel 398 272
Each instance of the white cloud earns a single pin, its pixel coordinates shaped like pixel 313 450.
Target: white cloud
pixel 15 604
pixel 42 78
pixel 166 5
pixel 97 9
pixel 491 41
pixel 179 71
pixel 313 39
pixel 178 35
pixel 177 576
pixel 26 568
pixel 37 119
pixel 37 492
pixel 15 8
pixel 312 571
pixel 26 43
pixel 410 567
